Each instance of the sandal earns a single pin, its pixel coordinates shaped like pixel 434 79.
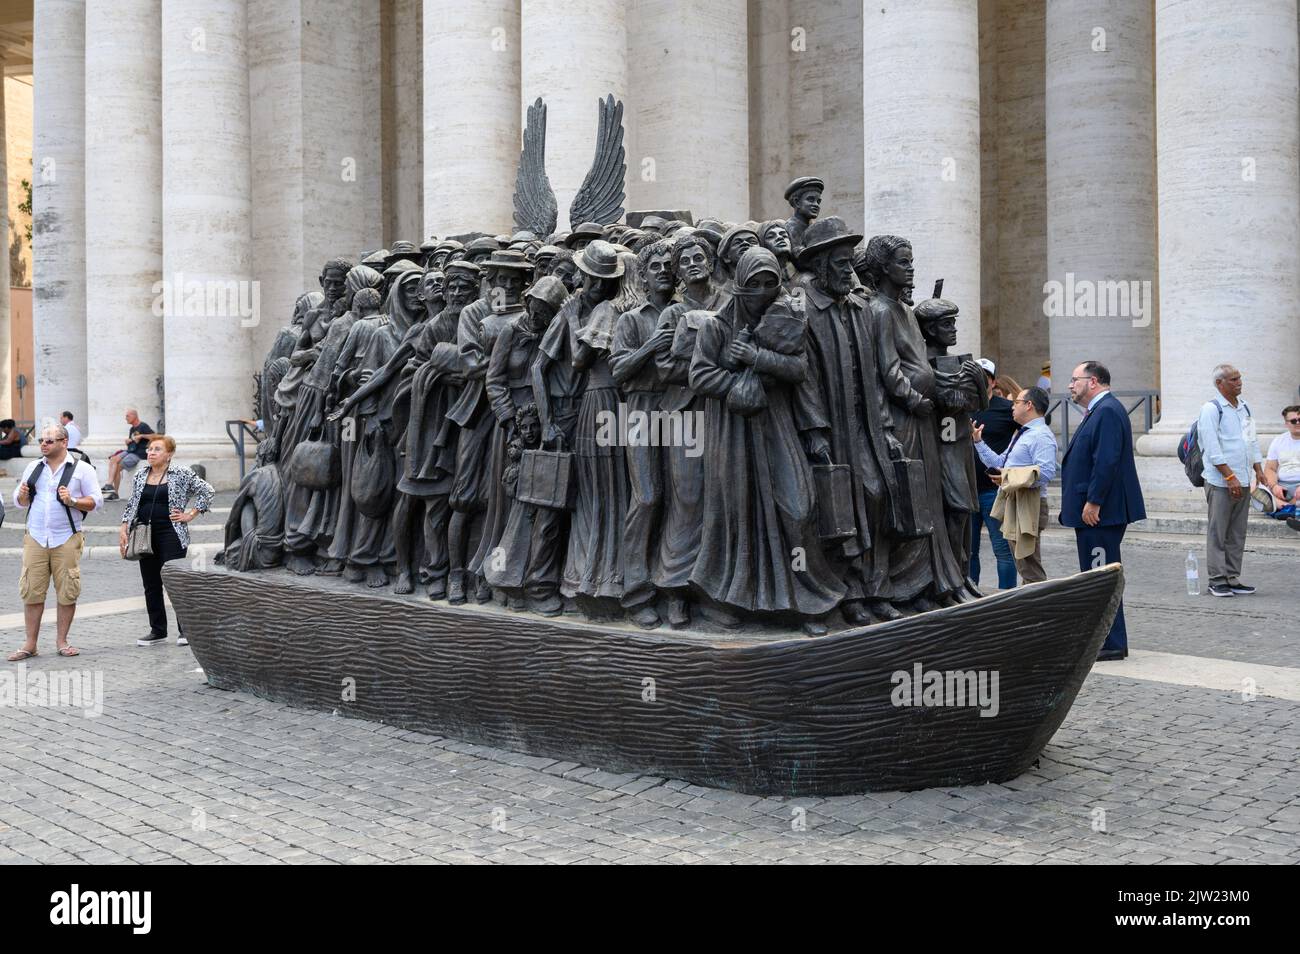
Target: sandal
pixel 21 654
pixel 69 651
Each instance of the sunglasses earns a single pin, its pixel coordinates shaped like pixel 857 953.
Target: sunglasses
pixel 1293 420
pixel 52 440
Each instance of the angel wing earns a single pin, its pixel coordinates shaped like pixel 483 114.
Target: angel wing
pixel 535 208
pixel 601 197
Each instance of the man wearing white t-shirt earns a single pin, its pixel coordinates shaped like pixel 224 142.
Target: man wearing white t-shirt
pixel 1282 463
pixel 74 432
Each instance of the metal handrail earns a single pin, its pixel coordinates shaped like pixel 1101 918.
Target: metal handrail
pixel 238 441
pixel 1146 400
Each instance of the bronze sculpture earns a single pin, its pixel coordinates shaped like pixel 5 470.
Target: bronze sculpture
pixel 923 568
pixel 759 551
pixel 476 495
pixel 523 563
pixel 961 386
pixel 254 533
pixel 310 504
pixel 599 199
pixel 639 339
pixel 361 543
pixel 600 328
pixel 805 197
pixel 424 425
pixel 683 474
pixel 731 246
pixel 740 428
pixel 845 419
pixel 773 236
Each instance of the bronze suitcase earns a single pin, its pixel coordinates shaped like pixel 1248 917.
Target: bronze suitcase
pixel 834 486
pixel 546 479
pixel 911 517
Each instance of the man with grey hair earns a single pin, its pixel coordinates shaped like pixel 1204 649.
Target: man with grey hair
pixel 1230 450
pixel 57 491
pixel 1033 445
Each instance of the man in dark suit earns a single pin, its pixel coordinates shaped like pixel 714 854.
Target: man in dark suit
pixel 1100 493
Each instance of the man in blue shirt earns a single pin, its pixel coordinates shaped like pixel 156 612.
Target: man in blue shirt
pixel 1230 450
pixel 1033 445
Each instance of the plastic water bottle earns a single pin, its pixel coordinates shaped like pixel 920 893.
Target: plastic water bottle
pixel 1193 577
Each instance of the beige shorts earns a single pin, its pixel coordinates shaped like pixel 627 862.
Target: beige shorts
pixel 63 563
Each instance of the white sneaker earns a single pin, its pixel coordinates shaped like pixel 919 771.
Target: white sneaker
pixel 1262 501
pixel 182 641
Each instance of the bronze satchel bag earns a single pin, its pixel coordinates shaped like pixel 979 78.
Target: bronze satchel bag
pixel 747 396
pixel 374 475
pixel 314 463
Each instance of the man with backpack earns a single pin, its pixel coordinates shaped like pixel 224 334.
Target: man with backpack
pixel 57 491
pixel 1230 450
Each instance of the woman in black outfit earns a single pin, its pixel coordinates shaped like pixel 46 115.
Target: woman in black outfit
pixel 161 497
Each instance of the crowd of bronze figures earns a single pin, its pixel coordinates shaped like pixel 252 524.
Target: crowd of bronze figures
pixel 670 422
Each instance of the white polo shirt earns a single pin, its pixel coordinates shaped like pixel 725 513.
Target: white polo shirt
pixel 48 521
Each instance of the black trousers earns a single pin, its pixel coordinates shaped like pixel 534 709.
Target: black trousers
pixel 166 546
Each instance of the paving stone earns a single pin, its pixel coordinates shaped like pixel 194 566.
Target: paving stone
pixel 1185 775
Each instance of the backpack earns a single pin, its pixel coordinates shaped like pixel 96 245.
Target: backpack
pixel 1190 452
pixel 64 480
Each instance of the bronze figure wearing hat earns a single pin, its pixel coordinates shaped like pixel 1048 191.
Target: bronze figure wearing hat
pixel 846 421
pixel 961 387
pixel 805 197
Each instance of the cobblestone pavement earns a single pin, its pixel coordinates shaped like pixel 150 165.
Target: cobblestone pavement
pixel 174 770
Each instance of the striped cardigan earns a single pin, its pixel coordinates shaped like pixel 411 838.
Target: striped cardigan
pixel 182 484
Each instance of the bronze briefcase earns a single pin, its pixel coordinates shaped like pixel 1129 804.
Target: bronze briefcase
pixel 546 479
pixel 834 486
pixel 911 517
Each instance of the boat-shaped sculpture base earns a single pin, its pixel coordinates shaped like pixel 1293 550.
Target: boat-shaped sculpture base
pixel 956 696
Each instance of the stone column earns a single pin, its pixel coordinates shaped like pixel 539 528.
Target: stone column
pixel 402 26
pixel 59 208
pixel 124 329
pixel 6 384
pixel 471 115
pixel 805 104
pixel 1101 190
pixel 921 168
pixel 1227 135
pixel 688 79
pixel 574 53
pixel 212 305
pixel 315 122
